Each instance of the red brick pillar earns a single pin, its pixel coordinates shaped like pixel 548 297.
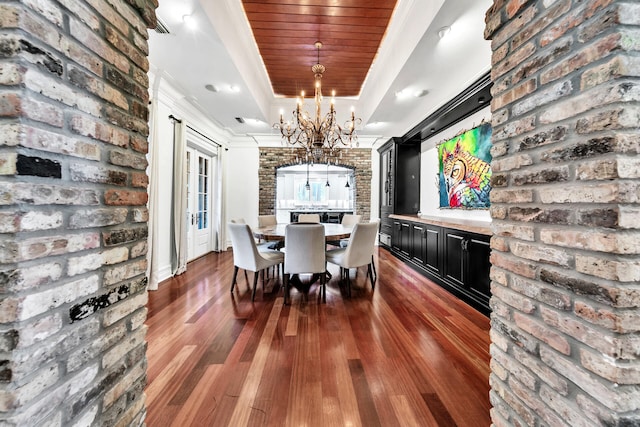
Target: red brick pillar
pixel 73 139
pixel 566 214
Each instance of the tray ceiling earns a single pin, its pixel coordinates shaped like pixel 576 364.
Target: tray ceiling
pixel 286 30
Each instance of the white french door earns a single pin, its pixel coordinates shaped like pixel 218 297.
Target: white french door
pixel 200 170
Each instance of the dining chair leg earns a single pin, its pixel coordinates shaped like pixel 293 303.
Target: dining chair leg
pixel 255 285
pixel 235 274
pixel 370 274
pixel 373 264
pixel 285 278
pixel 323 287
pixel 347 280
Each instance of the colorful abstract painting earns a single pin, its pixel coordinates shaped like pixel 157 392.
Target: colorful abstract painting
pixel 464 176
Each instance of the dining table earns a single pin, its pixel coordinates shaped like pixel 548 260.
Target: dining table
pixel 276 232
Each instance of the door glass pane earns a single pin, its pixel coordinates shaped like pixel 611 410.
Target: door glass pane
pixel 188 188
pixel 203 193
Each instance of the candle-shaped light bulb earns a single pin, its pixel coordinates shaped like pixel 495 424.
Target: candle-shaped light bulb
pixel 302 94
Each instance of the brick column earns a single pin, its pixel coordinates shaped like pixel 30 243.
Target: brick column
pixel 274 157
pixel 73 139
pixel 566 214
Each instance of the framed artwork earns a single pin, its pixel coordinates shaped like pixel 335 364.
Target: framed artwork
pixel 464 170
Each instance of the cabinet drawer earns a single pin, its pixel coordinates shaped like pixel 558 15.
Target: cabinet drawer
pixel 386 228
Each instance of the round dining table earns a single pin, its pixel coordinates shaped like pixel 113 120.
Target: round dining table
pixel 276 232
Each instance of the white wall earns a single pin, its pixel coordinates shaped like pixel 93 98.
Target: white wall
pixel 375 183
pixel 165 145
pixel 242 184
pixel 429 198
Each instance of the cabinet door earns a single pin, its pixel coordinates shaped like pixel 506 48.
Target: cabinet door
pixel 396 237
pixel 405 236
pixel 419 243
pixel 387 179
pixel 478 252
pixel 454 256
pixel 433 249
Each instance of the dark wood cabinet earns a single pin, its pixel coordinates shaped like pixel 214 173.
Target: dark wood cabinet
pixel 399 184
pixel 467 264
pixel 454 256
pixel 401 238
pixel 478 253
pixel 426 248
pixel 433 258
pixel 418 243
pixel 457 260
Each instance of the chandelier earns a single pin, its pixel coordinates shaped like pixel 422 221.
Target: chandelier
pixel 320 138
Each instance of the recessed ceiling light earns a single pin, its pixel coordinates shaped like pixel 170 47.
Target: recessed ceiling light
pixel 254 122
pixel 400 93
pixel 211 88
pixel 420 93
pixel 190 22
pixel 444 31
pixel 375 124
pixel 234 88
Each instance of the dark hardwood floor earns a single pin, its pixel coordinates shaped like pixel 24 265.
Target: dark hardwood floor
pixel 406 354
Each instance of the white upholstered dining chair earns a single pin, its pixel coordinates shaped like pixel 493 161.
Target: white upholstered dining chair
pixel 267 220
pixel 313 218
pixel 348 220
pixel 247 256
pixel 304 254
pixel 358 253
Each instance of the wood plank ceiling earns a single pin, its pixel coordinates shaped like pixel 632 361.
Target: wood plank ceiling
pixel 286 31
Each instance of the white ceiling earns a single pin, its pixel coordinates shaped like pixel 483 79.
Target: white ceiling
pixel 221 52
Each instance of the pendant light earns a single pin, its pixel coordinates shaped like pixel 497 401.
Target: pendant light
pixel 327 184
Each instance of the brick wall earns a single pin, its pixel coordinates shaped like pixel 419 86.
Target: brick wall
pixel 357 158
pixel 73 139
pixel 566 212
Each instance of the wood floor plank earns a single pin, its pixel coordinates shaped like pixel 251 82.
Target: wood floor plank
pixel 337 387
pixel 292 320
pixel 161 390
pixel 199 398
pixel 407 353
pixel 366 405
pixel 215 353
pixel 243 408
pixel 404 411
